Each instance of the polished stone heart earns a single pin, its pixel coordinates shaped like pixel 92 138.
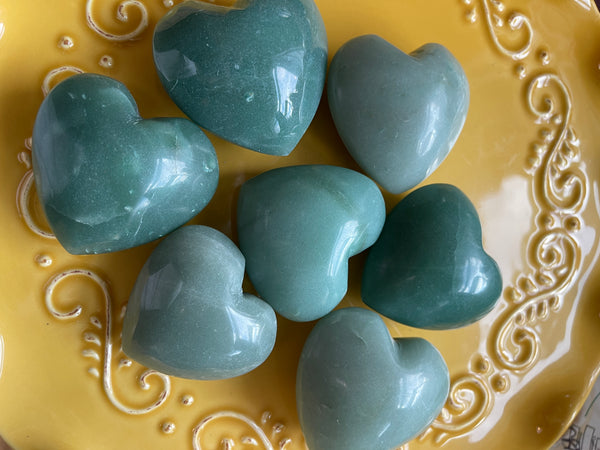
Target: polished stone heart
pixel 357 388
pixel 187 315
pixel 252 73
pixel 399 115
pixel 428 268
pixel 109 180
pixel 298 226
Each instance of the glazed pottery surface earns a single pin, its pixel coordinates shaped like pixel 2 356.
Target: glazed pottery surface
pixel 526 158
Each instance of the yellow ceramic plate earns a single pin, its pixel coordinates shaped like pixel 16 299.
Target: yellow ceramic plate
pixel 529 158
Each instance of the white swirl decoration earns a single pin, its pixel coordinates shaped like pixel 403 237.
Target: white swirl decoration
pixel 469 403
pixel 91 338
pixel 558 258
pixel 24 194
pixel 564 186
pixel 228 443
pixel 122 15
pixel 50 78
pixel 560 189
pixel 494 12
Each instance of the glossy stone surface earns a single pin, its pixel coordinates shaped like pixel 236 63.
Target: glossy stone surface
pixel 109 180
pixel 428 268
pixel 298 226
pixel 187 315
pixel 357 388
pixel 252 74
pixel 399 115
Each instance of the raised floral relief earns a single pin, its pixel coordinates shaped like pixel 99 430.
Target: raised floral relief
pixel 559 188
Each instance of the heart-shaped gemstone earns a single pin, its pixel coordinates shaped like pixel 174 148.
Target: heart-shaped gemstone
pixel 357 388
pixel 428 268
pixel 298 226
pixel 109 180
pixel 187 315
pixel 252 73
pixel 399 115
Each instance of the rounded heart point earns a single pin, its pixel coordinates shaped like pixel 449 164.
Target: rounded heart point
pixel 187 315
pixel 358 388
pixel 399 115
pixel 428 268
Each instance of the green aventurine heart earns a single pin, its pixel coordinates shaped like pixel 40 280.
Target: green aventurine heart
pixel 357 388
pixel 297 228
pixel 398 114
pixel 109 180
pixel 252 73
pixel 428 268
pixel 187 315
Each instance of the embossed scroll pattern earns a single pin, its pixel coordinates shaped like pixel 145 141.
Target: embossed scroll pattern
pixel 93 340
pixel 122 15
pixel 497 21
pixel 228 443
pixel 560 189
pixel 101 338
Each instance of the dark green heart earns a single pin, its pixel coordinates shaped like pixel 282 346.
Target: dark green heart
pixel 428 268
pixel 109 180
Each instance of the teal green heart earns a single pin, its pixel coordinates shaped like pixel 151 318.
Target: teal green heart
pixel 252 73
pixel 187 315
pixel 357 388
pixel 298 226
pixel 428 268
pixel 109 180
pixel 399 115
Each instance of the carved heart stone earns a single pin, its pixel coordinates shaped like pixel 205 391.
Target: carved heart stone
pixel 252 73
pixel 298 226
pixel 357 388
pixel 187 315
pixel 428 268
pixel 109 180
pixel 399 115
